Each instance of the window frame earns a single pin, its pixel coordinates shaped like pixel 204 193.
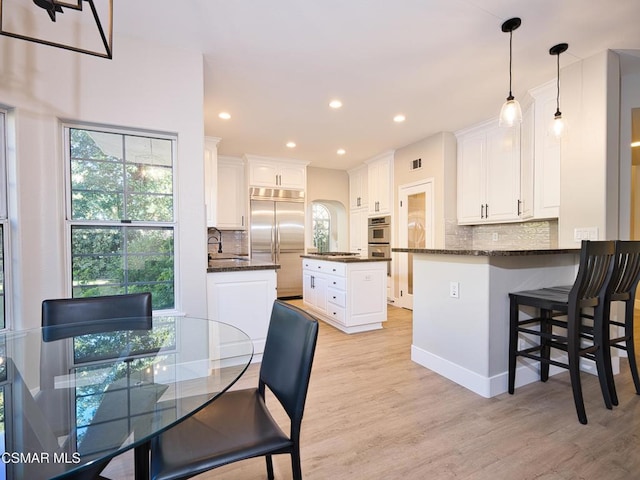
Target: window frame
pixel 66 126
pixel 325 221
pixel 4 221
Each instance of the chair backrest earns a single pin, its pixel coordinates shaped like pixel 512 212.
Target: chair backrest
pixel 69 311
pixel 288 356
pixel 626 271
pixel 594 272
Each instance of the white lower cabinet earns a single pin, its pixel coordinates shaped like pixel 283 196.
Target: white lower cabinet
pixel 349 296
pixel 243 299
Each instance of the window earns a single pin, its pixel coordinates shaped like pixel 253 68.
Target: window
pixel 121 216
pixel 3 221
pixel 321 227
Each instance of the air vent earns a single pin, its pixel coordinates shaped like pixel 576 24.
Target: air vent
pixel 415 164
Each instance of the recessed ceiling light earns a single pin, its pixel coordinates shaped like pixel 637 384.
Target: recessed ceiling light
pixel 291 144
pixel 224 115
pixel 399 118
pixel 341 151
pixel 335 103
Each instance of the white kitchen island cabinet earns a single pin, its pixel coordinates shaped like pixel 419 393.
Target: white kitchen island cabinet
pixel 461 310
pixel 348 292
pixel 242 294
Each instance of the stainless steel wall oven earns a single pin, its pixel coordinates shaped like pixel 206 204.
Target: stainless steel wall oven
pixel 380 239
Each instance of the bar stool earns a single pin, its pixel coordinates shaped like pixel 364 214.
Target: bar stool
pixel 564 310
pixel 622 288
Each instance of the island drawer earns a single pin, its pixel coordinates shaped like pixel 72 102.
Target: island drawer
pixel 336 313
pixel 337 297
pixel 339 283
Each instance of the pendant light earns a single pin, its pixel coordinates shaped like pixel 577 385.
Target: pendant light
pixel 511 112
pixel 558 125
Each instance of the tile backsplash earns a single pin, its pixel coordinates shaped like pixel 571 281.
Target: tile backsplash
pixel 507 236
pixel 234 242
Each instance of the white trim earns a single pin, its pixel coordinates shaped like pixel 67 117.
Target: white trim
pixel 427 186
pixel 491 386
pixel 65 127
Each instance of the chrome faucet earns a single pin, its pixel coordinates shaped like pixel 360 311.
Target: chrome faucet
pixel 215 238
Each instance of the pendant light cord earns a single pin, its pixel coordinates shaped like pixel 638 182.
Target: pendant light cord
pixel 510 60
pixel 558 86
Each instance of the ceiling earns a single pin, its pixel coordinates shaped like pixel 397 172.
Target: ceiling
pixel 274 66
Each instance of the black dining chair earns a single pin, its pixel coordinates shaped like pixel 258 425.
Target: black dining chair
pixel 561 322
pixel 237 425
pixel 65 314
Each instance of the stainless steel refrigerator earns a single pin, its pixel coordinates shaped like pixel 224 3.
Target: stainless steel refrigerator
pixel 277 234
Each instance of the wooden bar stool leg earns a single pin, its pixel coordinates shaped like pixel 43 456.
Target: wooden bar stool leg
pixel 631 349
pixel 606 356
pixel 545 350
pixel 513 342
pixel 574 369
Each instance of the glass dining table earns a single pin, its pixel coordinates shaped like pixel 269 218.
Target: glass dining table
pixel 73 397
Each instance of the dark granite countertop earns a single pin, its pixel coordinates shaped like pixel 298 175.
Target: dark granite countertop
pixel 343 258
pixel 489 253
pixel 239 264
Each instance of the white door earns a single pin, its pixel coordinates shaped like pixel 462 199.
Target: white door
pixel 416 231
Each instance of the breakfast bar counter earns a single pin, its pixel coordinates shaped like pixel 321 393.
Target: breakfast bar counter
pixel 461 309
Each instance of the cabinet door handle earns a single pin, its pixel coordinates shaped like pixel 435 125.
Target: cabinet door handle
pixel 519 203
pixel 481 211
pixel 313 283
pixel 242 220
pixel 486 210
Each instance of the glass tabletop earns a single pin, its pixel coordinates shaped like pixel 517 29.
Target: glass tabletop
pixel 74 395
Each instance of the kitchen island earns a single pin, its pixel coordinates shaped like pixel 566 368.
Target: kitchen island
pixel 346 291
pixel 241 292
pixel 461 309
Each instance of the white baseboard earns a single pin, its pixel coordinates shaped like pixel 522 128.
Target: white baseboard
pixel 491 386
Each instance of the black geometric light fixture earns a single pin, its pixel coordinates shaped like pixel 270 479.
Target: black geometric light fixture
pixel 75 25
pixel 558 126
pixel 511 113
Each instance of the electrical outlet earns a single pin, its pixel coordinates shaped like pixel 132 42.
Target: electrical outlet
pixel 588 233
pixel 494 236
pixel 454 289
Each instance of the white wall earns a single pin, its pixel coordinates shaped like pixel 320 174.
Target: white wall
pixel 438 154
pixel 145 87
pixel 330 187
pixel 589 168
pixel 629 99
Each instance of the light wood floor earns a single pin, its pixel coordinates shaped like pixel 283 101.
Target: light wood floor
pixel 374 414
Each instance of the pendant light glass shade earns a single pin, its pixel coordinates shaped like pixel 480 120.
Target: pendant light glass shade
pixel 511 113
pixel 558 126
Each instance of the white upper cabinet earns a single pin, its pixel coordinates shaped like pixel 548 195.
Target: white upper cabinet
pixel 358 231
pixel 276 173
pixel 489 174
pixel 232 194
pixel 211 178
pixel 527 163
pixel 358 187
pixel 380 183
pixel 547 153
